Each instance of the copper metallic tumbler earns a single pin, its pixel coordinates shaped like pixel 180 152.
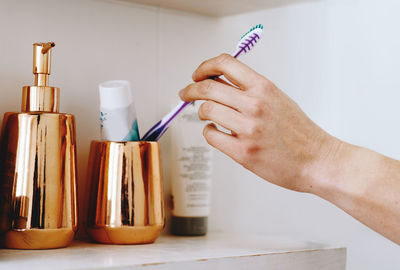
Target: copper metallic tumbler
pixel 38 167
pixel 125 192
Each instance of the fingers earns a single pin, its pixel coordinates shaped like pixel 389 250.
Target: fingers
pixel 212 90
pixel 222 115
pixel 224 142
pixel 234 70
pixel 223 81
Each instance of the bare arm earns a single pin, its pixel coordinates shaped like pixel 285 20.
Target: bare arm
pixel 272 137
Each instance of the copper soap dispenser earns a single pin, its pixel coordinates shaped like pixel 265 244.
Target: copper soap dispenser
pixel 38 208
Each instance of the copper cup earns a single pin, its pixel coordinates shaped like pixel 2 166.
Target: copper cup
pixel 125 192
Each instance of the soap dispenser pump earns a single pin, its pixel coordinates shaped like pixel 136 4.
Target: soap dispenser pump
pixel 38 201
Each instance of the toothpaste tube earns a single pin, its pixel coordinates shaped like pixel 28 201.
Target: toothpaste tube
pixel 118 120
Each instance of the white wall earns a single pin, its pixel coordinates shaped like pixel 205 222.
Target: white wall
pixel 340 61
pixel 337 59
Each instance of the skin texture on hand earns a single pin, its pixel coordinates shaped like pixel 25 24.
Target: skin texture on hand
pixel 272 137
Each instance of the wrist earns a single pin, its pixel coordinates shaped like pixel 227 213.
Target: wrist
pixel 326 165
pixel 345 173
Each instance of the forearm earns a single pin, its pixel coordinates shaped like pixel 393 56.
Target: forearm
pixel 270 133
pixel 363 183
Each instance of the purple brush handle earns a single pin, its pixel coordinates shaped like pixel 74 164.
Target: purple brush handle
pixel 158 130
pixel 155 133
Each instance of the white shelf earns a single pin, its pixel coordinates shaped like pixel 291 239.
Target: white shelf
pixel 214 7
pixel 222 251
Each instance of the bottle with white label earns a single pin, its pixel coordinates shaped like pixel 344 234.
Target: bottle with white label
pixel 191 174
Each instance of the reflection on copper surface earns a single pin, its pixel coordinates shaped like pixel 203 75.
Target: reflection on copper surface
pixel 38 179
pixel 38 166
pixel 125 192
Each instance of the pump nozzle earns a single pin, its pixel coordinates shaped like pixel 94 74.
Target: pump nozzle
pixel 41 97
pixel 42 62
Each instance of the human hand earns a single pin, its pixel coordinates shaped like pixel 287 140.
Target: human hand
pixel 270 135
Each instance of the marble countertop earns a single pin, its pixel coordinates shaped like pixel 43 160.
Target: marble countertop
pixel 222 251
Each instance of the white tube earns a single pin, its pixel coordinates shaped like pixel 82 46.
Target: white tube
pixel 117 112
pixel 191 174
